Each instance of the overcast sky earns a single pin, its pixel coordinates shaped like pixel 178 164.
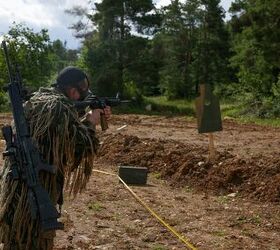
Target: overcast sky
pixel 39 14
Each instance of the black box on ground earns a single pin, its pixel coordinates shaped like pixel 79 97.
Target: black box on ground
pixel 133 175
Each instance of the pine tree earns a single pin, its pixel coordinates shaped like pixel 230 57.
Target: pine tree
pixel 112 53
pixel 212 49
pixel 256 37
pixel 255 28
pixel 196 46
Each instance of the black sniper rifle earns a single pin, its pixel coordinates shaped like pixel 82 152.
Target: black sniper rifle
pixel 25 157
pixel 94 102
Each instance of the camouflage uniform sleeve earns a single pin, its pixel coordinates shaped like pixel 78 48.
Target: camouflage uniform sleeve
pixel 83 134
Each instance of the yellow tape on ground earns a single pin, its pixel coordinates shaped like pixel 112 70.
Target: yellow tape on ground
pixel 171 229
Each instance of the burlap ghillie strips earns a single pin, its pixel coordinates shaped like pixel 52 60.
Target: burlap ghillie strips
pixel 64 142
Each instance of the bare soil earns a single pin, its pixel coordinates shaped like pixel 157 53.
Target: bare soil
pixel 231 202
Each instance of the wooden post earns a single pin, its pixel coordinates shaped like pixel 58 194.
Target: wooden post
pixel 212 152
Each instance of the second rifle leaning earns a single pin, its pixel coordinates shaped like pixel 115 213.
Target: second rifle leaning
pixel 24 157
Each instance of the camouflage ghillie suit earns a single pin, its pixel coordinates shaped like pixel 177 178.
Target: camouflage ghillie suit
pixel 65 142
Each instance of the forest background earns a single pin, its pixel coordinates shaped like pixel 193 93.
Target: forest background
pixel 161 55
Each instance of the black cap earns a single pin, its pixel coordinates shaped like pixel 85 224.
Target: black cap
pixel 70 76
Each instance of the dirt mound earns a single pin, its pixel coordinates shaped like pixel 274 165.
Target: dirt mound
pixel 186 165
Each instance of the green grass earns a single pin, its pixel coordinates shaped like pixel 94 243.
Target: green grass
pixel 255 219
pixel 95 206
pixel 219 233
pixel 223 199
pixel 162 106
pixel 156 175
pixel 187 189
pixel 179 107
pixel 159 247
pixel 273 122
pixel 229 110
pixel 235 110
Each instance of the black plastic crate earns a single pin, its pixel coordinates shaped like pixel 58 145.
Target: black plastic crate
pixel 133 175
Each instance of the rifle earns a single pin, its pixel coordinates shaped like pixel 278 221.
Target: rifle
pixel 24 156
pixel 94 102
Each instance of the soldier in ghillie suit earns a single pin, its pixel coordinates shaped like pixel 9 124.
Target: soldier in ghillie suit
pixel 66 141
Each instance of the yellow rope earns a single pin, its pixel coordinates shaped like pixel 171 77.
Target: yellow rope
pixel 171 229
